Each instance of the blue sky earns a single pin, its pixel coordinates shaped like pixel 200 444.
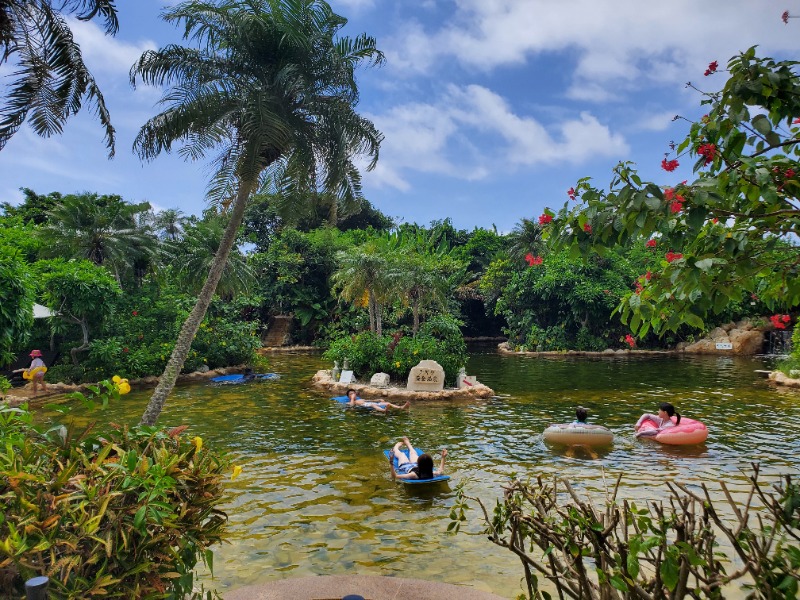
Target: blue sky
pixel 491 109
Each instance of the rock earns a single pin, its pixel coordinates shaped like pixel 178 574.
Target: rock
pixel 427 376
pixel 718 334
pixel 380 380
pixel 609 351
pixel 728 326
pixel 203 369
pixel 746 342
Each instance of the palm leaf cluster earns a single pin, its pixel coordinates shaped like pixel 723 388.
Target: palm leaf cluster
pixel 51 80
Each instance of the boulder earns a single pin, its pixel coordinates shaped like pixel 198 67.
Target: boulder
pixel 427 376
pixel 747 342
pixel 380 380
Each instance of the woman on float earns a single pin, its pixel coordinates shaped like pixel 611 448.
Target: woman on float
pixel 662 421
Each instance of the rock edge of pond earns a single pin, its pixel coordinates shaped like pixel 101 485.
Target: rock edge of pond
pixel 323 380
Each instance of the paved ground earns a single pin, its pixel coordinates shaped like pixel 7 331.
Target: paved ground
pixel 371 588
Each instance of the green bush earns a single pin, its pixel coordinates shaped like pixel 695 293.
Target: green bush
pixel 129 513
pixel 438 339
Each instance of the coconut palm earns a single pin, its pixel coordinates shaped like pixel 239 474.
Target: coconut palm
pixel 270 90
pixel 51 80
pixel 524 238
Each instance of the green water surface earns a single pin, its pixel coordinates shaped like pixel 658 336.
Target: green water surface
pixel 315 496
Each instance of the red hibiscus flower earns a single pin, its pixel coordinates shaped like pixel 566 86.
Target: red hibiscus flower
pixel 788 173
pixel 715 220
pixel 135 313
pixel 669 193
pixel 779 321
pixel 648 276
pixel 672 256
pixel 630 340
pixel 571 193
pixel 651 243
pixel 533 260
pixel 675 207
pixel 707 151
pixel 786 318
pixel 638 287
pixel 669 165
pixel 712 68
pixel 545 219
pixel 587 228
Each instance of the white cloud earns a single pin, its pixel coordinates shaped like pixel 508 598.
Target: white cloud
pixel 103 53
pixel 655 122
pixel 464 121
pixel 616 45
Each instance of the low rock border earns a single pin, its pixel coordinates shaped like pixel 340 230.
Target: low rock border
pixel 781 378
pixel 323 380
pixel 288 349
pixel 55 391
pixel 608 352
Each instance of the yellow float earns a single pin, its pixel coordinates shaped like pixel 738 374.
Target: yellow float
pixel 31 373
pixel 122 385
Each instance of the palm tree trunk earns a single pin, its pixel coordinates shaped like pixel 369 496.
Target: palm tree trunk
pixel 371 306
pixel 415 312
pixel 184 342
pixel 378 320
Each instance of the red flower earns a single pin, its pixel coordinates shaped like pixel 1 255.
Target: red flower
pixel 672 256
pixel 125 349
pixel 712 68
pixel 135 313
pixel 707 151
pixel 638 287
pixel 788 173
pixel 669 193
pixel 533 260
pixel 648 276
pixel 676 207
pixel 587 228
pixel 629 339
pixel 785 17
pixel 715 220
pixel 669 165
pixel 779 321
pixel 571 193
pixel 545 219
pixel 607 292
pixel 651 243
pixel 796 121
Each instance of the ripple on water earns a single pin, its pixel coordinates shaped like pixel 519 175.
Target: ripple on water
pixel 315 496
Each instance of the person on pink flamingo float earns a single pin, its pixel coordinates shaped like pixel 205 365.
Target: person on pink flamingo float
pixel 662 421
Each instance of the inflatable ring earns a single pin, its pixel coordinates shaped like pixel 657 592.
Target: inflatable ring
pixel 31 373
pixel 687 433
pixel 122 385
pixel 578 435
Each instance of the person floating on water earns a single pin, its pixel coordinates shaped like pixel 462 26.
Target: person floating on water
pixel 581 414
pixel 414 466
pixel 662 421
pixel 36 372
pixel 381 406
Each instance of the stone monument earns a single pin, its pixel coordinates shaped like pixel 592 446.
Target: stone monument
pixel 427 376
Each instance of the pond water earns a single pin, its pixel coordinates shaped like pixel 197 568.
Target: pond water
pixel 315 496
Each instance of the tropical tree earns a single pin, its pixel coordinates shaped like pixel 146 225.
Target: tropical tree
pixel 16 302
pixel 364 275
pixel 195 253
pixel 51 81
pixel 729 234
pixel 526 238
pixel 271 90
pixel 169 224
pixel 80 292
pixel 102 229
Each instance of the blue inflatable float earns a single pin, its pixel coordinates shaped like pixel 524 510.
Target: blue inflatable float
pixel 437 479
pixel 239 378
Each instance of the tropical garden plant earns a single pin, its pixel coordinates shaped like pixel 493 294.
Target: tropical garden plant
pixel 729 234
pixel 122 512
pixel 270 90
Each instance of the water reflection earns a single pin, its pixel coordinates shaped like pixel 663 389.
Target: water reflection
pixel 315 496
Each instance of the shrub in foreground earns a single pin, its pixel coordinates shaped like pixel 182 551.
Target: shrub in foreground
pixel 128 513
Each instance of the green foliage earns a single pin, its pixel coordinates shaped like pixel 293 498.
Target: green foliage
pixel 439 339
pixel 5 385
pixel 660 550
pixel 16 303
pixel 127 513
pixel 77 289
pixel 729 233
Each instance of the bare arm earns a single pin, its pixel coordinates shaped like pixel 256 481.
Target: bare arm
pixel 441 462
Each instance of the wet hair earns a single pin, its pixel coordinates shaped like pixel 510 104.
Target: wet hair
pixel 350 390
pixel 581 414
pixel 425 466
pixel 670 410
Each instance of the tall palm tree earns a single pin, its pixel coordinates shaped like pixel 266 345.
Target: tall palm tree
pixel 524 238
pixel 365 272
pixel 51 80
pixel 271 90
